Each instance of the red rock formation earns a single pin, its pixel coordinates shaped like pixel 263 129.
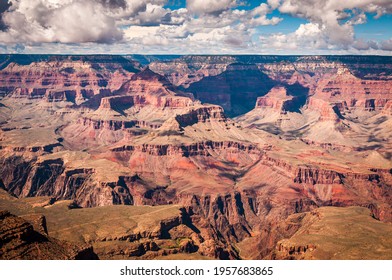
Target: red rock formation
pixel 195 149
pixel 354 92
pixel 62 80
pixel 149 88
pixel 324 108
pixel 388 108
pixel 235 89
pixel 275 99
pixel 20 241
pixel 201 115
pixel 114 125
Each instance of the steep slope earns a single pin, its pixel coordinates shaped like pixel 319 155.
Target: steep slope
pixel 336 233
pixel 64 78
pixel 139 232
pixel 235 89
pixel 342 112
pixel 20 241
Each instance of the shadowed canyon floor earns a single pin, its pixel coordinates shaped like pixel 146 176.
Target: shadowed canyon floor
pixel 129 161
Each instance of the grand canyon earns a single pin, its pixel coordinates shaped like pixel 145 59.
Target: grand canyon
pixel 195 157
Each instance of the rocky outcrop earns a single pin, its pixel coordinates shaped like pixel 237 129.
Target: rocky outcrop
pixel 202 148
pixel 51 178
pixel 190 69
pixel 116 102
pixel 236 89
pixel 327 111
pixel 63 79
pixel 35 149
pixel 65 95
pixel 114 125
pixel 329 146
pixel 388 108
pixel 317 176
pixel 353 92
pixel 149 88
pixel 121 102
pixel 19 241
pixel 275 99
pixel 201 115
pixel 293 251
pixel 313 239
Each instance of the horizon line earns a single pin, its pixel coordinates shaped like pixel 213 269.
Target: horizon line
pixel 191 54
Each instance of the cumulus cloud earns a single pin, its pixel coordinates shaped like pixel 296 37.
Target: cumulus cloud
pixel 307 37
pixel 335 17
pixel 273 3
pixel 258 16
pixel 4 5
pixel 208 24
pixel 153 15
pixel 204 26
pixel 74 21
pixel 361 45
pixel 230 30
pixel 113 4
pixel 210 6
pixel 68 21
pixel 386 45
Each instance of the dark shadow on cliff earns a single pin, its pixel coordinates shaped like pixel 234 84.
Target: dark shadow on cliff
pixel 299 94
pixel 236 89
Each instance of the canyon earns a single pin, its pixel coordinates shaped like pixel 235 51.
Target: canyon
pixel 195 157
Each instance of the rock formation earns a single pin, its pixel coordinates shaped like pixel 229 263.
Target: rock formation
pixel 354 226
pixel 19 240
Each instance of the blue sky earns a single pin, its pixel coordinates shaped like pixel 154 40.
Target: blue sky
pixel 197 26
pixel 375 29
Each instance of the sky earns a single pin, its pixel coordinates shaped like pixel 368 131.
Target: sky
pixel 196 26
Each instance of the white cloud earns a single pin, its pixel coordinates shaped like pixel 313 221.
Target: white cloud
pixel 273 3
pixel 210 6
pixel 153 15
pixel 68 21
pixel 308 36
pixel 75 21
pixel 259 16
pixel 230 30
pixel 386 45
pixel 336 17
pixel 204 26
pixel 361 45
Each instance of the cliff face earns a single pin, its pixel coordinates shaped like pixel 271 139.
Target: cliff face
pixel 143 99
pixel 220 214
pixel 353 92
pixel 276 99
pixel 201 115
pixel 327 111
pixel 236 89
pixel 388 108
pixel 21 241
pixel 62 79
pixel 201 74
pixel 351 226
